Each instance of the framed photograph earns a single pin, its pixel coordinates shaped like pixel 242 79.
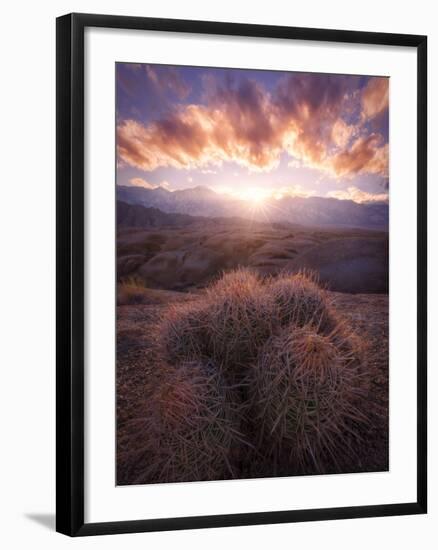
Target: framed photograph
pixel 241 274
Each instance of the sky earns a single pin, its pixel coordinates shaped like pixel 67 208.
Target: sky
pixel 253 134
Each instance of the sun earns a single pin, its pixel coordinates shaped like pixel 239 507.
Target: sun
pixel 258 197
pixel 254 195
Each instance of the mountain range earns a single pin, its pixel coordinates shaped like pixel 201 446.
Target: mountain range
pixel 136 215
pixel 204 202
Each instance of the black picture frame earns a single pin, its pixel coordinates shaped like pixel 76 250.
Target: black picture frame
pixel 70 273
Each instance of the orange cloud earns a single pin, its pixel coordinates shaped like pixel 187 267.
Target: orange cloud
pixel 309 107
pixel 247 125
pixel 196 137
pixel 366 155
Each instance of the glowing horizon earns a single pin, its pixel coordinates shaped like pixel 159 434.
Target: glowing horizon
pixel 259 195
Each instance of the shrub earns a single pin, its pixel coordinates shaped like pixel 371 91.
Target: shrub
pixel 298 299
pixel 239 319
pixel 305 393
pixel 228 324
pixel 267 359
pixel 190 432
pixel 184 332
pixel 240 282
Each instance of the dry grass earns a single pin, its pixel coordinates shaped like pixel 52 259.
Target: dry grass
pixel 131 291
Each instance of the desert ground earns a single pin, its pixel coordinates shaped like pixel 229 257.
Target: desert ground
pixel 166 267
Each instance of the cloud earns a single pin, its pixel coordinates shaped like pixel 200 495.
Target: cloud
pixel 195 137
pixel 293 191
pixel 357 195
pixel 342 133
pixel 294 163
pixel 375 97
pixel 366 155
pixel 167 79
pixel 241 122
pixel 309 106
pixel 140 182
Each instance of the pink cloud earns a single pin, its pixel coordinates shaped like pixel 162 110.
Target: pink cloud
pixel 247 125
pixel 195 137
